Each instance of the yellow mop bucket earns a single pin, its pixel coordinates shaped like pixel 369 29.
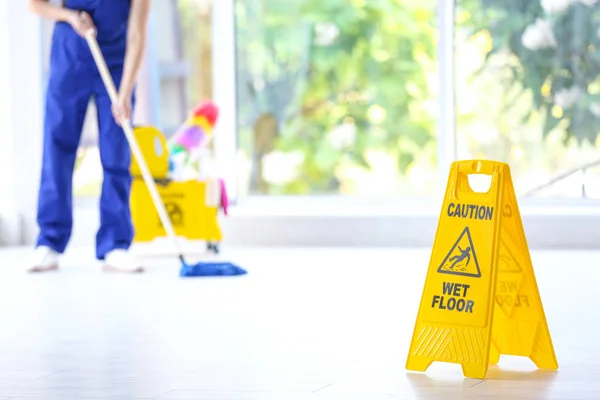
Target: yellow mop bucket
pixel 192 205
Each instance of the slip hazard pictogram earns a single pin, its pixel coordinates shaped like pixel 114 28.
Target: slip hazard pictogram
pixel 461 259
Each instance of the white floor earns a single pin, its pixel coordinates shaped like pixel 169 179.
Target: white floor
pixel 303 324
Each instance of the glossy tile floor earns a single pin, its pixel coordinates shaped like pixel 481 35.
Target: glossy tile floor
pixel 322 324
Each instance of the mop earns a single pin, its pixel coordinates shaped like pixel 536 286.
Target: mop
pixel 203 268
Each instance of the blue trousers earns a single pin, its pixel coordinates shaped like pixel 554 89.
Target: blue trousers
pixel 73 81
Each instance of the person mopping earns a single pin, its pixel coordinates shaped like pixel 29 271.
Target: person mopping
pixel 120 28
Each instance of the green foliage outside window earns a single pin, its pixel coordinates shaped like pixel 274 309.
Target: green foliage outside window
pixel 556 44
pixel 339 78
pixel 326 83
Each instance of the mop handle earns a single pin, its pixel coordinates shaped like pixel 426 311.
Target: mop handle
pixel 127 128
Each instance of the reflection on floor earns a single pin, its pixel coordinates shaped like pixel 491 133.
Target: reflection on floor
pixel 304 324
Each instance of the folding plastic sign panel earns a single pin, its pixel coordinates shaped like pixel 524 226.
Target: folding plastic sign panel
pixel 480 298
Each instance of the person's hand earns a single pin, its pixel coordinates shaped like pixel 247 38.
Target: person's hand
pixel 122 108
pixel 81 22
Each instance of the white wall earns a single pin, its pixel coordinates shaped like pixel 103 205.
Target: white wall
pixel 20 119
pixel 7 202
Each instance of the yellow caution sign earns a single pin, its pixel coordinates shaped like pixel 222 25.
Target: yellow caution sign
pixel 480 298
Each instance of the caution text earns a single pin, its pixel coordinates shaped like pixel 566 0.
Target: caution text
pixel 454 298
pixel 507 286
pixel 512 301
pixel 505 296
pixel 470 211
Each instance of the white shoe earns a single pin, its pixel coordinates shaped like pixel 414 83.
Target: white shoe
pixel 120 260
pixel 43 259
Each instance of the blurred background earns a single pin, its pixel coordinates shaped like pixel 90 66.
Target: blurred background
pixel 365 104
pixel 342 97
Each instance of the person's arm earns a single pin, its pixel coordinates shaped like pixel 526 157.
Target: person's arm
pixel 45 9
pixel 136 43
pixel 81 22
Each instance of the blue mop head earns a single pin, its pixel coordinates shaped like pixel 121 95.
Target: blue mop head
pixel 214 268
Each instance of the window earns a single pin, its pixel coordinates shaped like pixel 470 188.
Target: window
pixel 528 90
pixel 182 55
pixel 336 97
pixel 344 97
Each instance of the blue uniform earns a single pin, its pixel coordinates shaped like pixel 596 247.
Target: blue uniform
pixel 73 81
